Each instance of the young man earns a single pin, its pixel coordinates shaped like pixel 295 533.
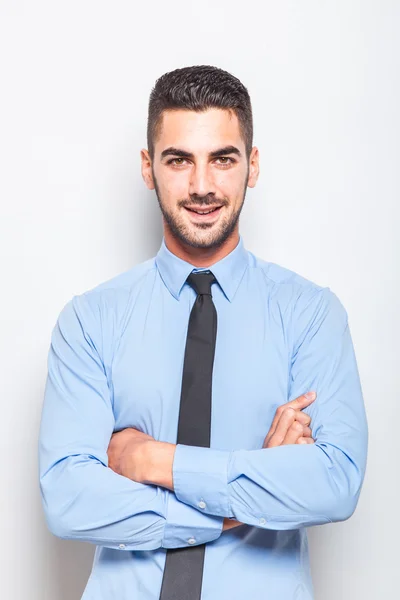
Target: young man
pixel 186 497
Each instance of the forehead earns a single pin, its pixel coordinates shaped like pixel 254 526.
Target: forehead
pixel 191 130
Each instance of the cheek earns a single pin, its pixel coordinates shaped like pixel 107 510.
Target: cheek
pixel 231 180
pixel 230 187
pixel 174 188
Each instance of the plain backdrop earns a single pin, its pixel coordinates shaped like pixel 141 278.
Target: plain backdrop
pixel 75 78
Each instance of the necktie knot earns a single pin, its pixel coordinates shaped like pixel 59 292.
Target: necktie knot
pixel 201 282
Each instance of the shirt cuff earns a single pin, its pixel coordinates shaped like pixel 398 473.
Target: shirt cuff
pixel 187 527
pixel 200 477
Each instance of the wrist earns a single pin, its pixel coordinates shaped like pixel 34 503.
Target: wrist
pixel 160 458
pixel 230 524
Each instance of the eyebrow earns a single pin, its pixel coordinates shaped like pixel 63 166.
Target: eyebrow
pixel 215 154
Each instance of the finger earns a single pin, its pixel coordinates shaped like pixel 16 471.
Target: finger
pixel 294 432
pixel 286 419
pixel 305 440
pixel 302 401
pixel 298 404
pixel 303 417
pixel 307 432
pixel 300 416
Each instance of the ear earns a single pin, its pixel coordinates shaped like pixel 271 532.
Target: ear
pixel 146 168
pixel 254 167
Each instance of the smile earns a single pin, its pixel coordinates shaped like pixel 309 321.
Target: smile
pixel 204 211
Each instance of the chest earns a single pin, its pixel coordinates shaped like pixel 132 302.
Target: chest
pixel 250 373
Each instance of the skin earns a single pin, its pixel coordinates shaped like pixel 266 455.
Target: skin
pixel 199 161
pixel 201 180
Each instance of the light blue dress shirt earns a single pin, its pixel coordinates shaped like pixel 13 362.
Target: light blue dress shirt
pixel 116 360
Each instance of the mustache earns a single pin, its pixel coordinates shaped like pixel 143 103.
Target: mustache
pixel 208 200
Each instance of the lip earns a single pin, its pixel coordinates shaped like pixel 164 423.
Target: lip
pixel 201 218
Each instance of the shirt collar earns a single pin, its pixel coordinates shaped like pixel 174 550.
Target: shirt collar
pixel 228 271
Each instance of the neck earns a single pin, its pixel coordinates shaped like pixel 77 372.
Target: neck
pixel 200 257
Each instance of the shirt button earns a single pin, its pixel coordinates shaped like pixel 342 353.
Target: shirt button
pixel 122 546
pixel 262 521
pixel 191 541
pixel 202 504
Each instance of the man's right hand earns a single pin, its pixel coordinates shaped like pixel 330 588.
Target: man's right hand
pixel 289 426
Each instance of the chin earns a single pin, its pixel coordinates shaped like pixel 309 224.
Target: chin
pixel 201 243
pixel 213 239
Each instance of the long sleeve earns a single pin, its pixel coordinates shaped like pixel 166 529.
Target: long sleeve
pixel 83 499
pixel 293 486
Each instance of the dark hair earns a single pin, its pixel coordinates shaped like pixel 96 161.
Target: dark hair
pixel 198 88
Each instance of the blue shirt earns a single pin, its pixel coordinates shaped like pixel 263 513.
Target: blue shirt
pixel 116 360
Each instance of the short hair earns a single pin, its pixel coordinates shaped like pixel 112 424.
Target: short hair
pixel 199 88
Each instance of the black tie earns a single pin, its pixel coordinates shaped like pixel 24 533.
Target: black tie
pixel 183 572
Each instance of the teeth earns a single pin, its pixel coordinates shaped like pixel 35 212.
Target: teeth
pixel 203 212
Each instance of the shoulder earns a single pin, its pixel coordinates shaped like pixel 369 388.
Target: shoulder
pixel 125 280
pixel 106 303
pixel 281 276
pixel 301 298
pixel 122 285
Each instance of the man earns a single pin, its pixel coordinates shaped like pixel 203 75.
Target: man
pixel 184 497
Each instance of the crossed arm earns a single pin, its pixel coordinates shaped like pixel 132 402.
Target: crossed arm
pixel 281 487
pixel 138 456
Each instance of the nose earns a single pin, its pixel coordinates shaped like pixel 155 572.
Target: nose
pixel 201 181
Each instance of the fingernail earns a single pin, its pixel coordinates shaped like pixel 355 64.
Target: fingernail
pixel 310 395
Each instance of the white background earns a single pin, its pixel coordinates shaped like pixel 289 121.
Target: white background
pixel 75 78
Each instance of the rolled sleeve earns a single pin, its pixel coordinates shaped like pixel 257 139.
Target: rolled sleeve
pixel 200 477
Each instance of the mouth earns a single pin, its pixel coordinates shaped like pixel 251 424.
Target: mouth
pixel 204 213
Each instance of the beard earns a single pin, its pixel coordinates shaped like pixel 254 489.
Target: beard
pixel 192 236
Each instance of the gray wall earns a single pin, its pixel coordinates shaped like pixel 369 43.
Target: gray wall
pixel 75 80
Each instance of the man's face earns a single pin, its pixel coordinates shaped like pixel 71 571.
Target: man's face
pixel 200 165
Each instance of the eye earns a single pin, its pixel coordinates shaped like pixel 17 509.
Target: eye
pixel 226 160
pixel 176 161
